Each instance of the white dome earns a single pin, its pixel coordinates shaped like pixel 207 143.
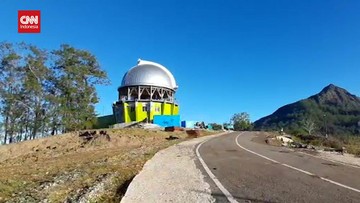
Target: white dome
pixel 150 74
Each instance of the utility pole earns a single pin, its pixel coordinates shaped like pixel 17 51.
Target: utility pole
pixel 325 124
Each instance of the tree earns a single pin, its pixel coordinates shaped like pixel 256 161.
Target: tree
pixel 77 73
pixel 35 91
pixel 44 93
pixel 308 125
pixel 216 126
pixel 10 85
pixel 241 121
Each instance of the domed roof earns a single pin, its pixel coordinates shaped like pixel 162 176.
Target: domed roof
pixel 149 73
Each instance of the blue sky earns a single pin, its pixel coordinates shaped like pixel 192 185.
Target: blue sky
pixel 227 56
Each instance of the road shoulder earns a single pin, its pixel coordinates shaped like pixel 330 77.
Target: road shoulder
pixel 171 175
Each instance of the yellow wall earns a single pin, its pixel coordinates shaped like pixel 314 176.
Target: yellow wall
pixel 131 110
pixel 166 109
pixel 157 108
pixel 140 114
pixel 127 117
pixel 175 109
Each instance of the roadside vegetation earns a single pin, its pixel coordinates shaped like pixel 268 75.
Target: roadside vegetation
pixel 349 144
pixel 310 133
pixel 352 145
pixel 241 121
pixel 70 168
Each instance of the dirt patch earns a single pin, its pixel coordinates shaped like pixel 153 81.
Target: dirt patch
pixel 267 138
pixel 261 137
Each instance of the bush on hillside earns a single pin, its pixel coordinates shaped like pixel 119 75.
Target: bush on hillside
pixel 332 142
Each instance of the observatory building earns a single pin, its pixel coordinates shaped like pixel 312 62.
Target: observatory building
pixel 146 90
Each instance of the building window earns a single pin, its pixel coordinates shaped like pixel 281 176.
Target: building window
pixel 132 108
pixel 157 109
pixel 144 108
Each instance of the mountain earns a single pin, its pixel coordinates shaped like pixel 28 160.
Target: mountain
pixel 333 110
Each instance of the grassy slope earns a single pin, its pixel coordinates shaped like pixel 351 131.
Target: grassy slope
pixel 65 168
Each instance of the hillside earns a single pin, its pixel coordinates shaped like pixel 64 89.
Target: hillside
pixel 74 168
pixel 333 110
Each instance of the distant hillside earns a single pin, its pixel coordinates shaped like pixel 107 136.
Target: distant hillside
pixel 333 109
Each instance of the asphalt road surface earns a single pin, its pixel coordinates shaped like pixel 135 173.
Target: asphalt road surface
pixel 241 169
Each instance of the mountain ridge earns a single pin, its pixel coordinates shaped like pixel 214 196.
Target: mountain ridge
pixel 333 110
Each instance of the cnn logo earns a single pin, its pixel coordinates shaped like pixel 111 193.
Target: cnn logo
pixel 29 21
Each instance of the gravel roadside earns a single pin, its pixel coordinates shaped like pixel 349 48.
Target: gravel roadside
pixel 346 159
pixel 171 176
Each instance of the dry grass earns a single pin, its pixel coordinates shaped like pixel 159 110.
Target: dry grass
pixel 351 143
pixel 268 138
pixel 65 168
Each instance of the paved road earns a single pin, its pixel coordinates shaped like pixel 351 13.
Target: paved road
pixel 262 173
